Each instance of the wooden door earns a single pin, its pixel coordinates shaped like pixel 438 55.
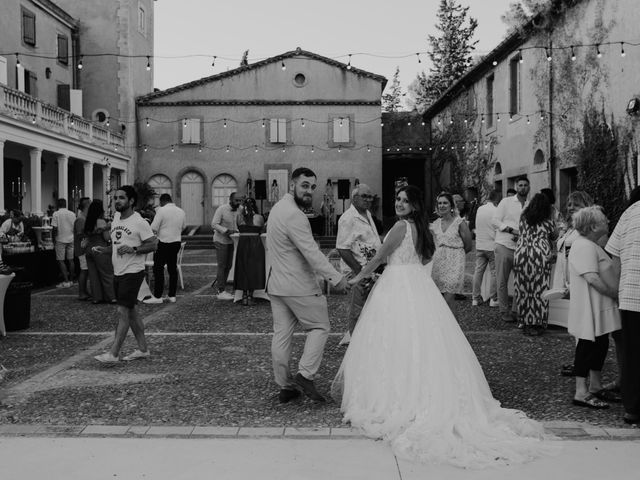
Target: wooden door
pixel 192 198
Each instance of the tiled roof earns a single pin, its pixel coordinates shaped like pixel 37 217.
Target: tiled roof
pixel 294 53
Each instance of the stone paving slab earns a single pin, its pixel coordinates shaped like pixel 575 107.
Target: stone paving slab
pixel 170 431
pixel 107 430
pixel 215 431
pixel 307 432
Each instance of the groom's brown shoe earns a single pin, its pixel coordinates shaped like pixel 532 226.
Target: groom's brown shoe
pixel 288 394
pixel 309 388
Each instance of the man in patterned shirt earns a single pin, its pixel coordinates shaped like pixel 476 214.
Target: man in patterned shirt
pixel 624 245
pixel 357 242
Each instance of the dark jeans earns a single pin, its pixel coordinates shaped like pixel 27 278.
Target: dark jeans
pixel 359 294
pixel 631 361
pixel 166 254
pixel 224 255
pixel 590 355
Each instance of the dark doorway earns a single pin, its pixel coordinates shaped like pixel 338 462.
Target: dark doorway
pixel 394 168
pixel 13 192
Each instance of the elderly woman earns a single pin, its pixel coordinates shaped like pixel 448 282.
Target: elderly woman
pixel 593 311
pixel 532 264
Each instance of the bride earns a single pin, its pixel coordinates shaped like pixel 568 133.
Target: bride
pixel 409 375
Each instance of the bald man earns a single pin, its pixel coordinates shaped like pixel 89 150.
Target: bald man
pixel 357 242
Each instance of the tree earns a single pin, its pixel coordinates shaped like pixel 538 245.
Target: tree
pixel 392 101
pixel 450 53
pixel 542 12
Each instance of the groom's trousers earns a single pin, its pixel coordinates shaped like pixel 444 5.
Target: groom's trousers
pixel 312 314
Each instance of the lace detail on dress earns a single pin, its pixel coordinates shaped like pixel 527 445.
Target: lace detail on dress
pixel 406 253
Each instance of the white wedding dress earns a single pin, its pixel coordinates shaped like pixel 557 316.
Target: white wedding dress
pixel 410 377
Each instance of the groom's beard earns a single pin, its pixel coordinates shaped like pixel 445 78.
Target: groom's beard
pixel 303 201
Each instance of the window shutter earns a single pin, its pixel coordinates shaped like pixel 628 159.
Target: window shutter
pixel 3 71
pixel 63 49
pixel 273 130
pixel 282 130
pixel 64 97
pixel 195 130
pixel 31 83
pixel 28 27
pixel 20 77
pixel 514 77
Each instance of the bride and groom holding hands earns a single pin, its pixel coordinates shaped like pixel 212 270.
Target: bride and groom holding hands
pixel 409 375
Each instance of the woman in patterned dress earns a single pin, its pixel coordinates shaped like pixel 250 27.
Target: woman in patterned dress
pixel 453 240
pixel 532 261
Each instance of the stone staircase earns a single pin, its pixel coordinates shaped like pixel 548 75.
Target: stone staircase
pixel 197 239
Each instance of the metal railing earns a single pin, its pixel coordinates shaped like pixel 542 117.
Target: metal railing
pixel 22 106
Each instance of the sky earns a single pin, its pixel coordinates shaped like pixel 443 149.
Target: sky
pixel 332 28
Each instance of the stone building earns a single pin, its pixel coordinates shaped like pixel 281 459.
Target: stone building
pixel 524 108
pixel 247 129
pixel 69 75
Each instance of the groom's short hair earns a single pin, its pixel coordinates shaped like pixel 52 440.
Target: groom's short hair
pixel 298 172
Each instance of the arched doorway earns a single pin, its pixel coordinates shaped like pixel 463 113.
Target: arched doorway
pixel 192 197
pixel 223 186
pixel 160 184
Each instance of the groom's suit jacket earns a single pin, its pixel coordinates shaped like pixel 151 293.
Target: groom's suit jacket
pixel 293 254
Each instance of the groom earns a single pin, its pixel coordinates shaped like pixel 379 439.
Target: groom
pixel 296 298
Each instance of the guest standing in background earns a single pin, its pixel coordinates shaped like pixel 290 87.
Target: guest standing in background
pixel 167 224
pixel 100 267
pixel 532 261
pixel 453 240
pixel 62 223
pixel 485 246
pixel 506 220
pixel 249 272
pixel 78 250
pixel 224 225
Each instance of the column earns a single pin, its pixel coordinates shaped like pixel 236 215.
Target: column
pixel 123 178
pixel 36 181
pixel 63 178
pixel 2 211
pixel 88 179
pixel 106 184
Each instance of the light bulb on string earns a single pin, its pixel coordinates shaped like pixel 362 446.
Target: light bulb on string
pixel 80 63
pixel 284 149
pixel 108 121
pixel 451 120
pixel 430 148
pixel 146 147
pixel 528 121
pixel 408 124
pixel 302 122
pixel 213 63
pixel 520 59
pixel 498 117
pixel 147 122
pixel 17 60
pixel 312 149
pixel 541 116
pixel 349 63
pixel 410 149
pixel 200 148
pixel 33 120
pixel 368 148
pixel 573 54
pixel 340 121
pixel 172 148
pixel 422 123
pixel 148 63
pixel 256 148
pixel 263 123
pixel 225 123
pixel 622 52
pixel 397 149
pixel 184 123
pixel 339 148
pixel 598 52
pixel 438 120
pixel 548 54
pixel 418 55
pixel 482 118
pixel 511 117
pixel 494 63
pixel 284 67
pixel 227 149
pixel 382 124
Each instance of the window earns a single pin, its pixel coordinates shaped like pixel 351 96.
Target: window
pixel 160 184
pixel 514 86
pixel 63 49
pixel 489 108
pixel 64 97
pixel 26 81
pixel 538 157
pixel 223 186
pixel 28 27
pixel 3 71
pixel 142 20
pixel 191 130
pixel 278 130
pixel 341 130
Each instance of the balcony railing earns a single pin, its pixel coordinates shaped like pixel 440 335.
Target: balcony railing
pixel 19 105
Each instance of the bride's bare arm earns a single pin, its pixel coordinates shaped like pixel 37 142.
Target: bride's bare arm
pixel 393 240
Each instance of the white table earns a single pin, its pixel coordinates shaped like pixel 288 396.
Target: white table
pixel 256 293
pixel 5 280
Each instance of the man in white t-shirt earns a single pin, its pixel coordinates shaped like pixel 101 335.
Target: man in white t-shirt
pixel 167 224
pixel 131 239
pixel 62 223
pixel 485 233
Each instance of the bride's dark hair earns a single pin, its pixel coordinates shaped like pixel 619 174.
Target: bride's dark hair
pixel 425 245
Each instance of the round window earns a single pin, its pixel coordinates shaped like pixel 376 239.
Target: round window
pixel 300 80
pixel 100 116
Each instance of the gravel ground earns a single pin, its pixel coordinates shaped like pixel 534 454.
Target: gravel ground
pixel 201 377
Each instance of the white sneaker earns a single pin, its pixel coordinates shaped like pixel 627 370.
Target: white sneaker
pixel 62 285
pixel 68 284
pixel 494 303
pixel 137 355
pixel 474 303
pixel 152 300
pixel 107 358
pixel 225 296
pixel 171 299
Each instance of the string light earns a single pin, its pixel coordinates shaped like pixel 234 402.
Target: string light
pixel 225 123
pixel 200 148
pixel 547 53
pixel 622 52
pixel 213 63
pixel 482 118
pixel 382 124
pixel 227 149
pixel 368 148
pixel 349 63
pixel 418 55
pixel 107 123
pixel 521 60
pixel 494 63
pixel 148 63
pixel 33 120
pixel 498 117
pixel 340 121
pixel 573 54
pixel 17 60
pixel 184 124
pixel 408 123
pixel 80 63
pixel 312 149
pixel 172 148
pixel 256 147
pixel 146 147
pixel 302 122
pixel 71 120
pixel 284 149
pixel 284 67
pixel 528 121
pixel 263 123
pixel 147 121
pixel 598 52
pixel 339 148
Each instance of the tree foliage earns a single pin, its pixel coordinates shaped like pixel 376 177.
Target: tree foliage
pixel 392 101
pixel 542 12
pixel 450 52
